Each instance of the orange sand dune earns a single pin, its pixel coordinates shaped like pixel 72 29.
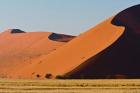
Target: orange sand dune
pixel 17 49
pixel 75 52
pixel 108 50
pixel 122 58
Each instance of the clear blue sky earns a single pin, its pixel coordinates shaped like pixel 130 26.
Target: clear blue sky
pixel 61 16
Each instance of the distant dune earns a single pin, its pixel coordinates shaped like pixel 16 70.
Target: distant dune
pixel 108 50
pixel 19 48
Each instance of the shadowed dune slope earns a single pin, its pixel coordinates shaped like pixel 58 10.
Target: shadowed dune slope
pixel 18 48
pixel 14 31
pixel 60 37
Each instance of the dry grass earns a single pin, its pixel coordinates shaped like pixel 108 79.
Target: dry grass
pixel 69 86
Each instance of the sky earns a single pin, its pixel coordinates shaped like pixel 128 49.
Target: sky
pixel 60 16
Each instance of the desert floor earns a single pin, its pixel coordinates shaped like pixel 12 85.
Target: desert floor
pixel 69 86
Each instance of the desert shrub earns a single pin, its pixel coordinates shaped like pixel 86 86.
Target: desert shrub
pixel 63 77
pixel 38 76
pixel 48 76
pixel 59 77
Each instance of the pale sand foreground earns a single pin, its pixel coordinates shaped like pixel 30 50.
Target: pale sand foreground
pixel 69 86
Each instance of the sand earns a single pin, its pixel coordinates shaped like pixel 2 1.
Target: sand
pixel 75 52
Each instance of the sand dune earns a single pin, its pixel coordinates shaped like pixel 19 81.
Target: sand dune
pixel 122 57
pixel 76 51
pixel 18 48
pixel 108 50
